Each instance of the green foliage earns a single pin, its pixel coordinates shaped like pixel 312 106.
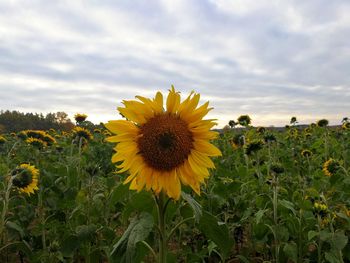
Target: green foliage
pixel 254 207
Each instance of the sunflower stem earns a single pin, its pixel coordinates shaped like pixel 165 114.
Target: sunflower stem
pixel 4 208
pixel 161 207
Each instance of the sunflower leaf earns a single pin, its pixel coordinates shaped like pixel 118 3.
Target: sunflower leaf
pixel 217 232
pixel 138 230
pixel 196 207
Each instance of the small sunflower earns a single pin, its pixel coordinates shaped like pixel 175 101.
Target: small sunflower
pixel 25 177
pixel 277 168
pixel 322 123
pixel 237 141
pixel 244 120
pixel 79 117
pixel 97 130
pixel 38 143
pixel 22 135
pixel 306 153
pixel 80 132
pixel 163 148
pixel 106 133
pixel 330 167
pixel 320 209
pixel 346 126
pixel 269 138
pixel 253 146
pixel 49 139
pixel 261 130
pixel 2 140
pixel 293 120
pixel 232 123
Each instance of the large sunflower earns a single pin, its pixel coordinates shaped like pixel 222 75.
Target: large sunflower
pixel 25 178
pixel 162 148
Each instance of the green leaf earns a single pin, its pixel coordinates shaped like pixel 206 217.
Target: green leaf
pixel 311 234
pixel 117 194
pixel 218 233
pixel 139 202
pixel 287 204
pixel 14 226
pixel 196 207
pixel 331 257
pixel 325 235
pixel 259 215
pixel 291 251
pixel 339 240
pixel 138 230
pixel 243 259
pixel 86 232
pixel 69 245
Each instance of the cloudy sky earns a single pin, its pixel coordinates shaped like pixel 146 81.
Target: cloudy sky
pixel 269 59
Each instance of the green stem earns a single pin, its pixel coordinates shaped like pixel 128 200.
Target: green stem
pixel 319 245
pixel 42 218
pixel 177 226
pixel 275 218
pixel 5 207
pixel 161 222
pixel 150 249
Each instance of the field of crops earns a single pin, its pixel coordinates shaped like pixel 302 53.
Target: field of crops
pixel 274 196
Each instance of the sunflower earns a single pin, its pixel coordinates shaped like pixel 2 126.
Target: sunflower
pixel 322 123
pixel 79 117
pixel 25 178
pixel 244 120
pixel 163 148
pixel 293 120
pixel 320 209
pixel 306 153
pixel 97 130
pixel 38 143
pixel 80 132
pixel 2 140
pixel 49 139
pixel 346 126
pixel 261 130
pixel 277 168
pixel 237 141
pixel 330 167
pixel 253 146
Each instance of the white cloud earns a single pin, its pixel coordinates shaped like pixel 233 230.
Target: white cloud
pixel 269 59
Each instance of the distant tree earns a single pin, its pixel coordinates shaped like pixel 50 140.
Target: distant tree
pixel 14 121
pixel 62 117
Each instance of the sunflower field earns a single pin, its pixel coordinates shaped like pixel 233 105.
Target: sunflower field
pixel 162 186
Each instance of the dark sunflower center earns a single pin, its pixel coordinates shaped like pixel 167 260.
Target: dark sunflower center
pixel 22 178
pixel 165 142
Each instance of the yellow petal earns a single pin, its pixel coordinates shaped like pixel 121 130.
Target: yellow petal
pixel 121 126
pixel 173 101
pixel 206 147
pixel 132 115
pixel 202 159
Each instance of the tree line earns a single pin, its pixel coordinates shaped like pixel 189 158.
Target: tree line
pixel 15 121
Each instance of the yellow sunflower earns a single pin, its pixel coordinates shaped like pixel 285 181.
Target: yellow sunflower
pixel 162 148
pixel 79 117
pixel 36 142
pixel 25 178
pixel 2 139
pixel 330 167
pixel 80 132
